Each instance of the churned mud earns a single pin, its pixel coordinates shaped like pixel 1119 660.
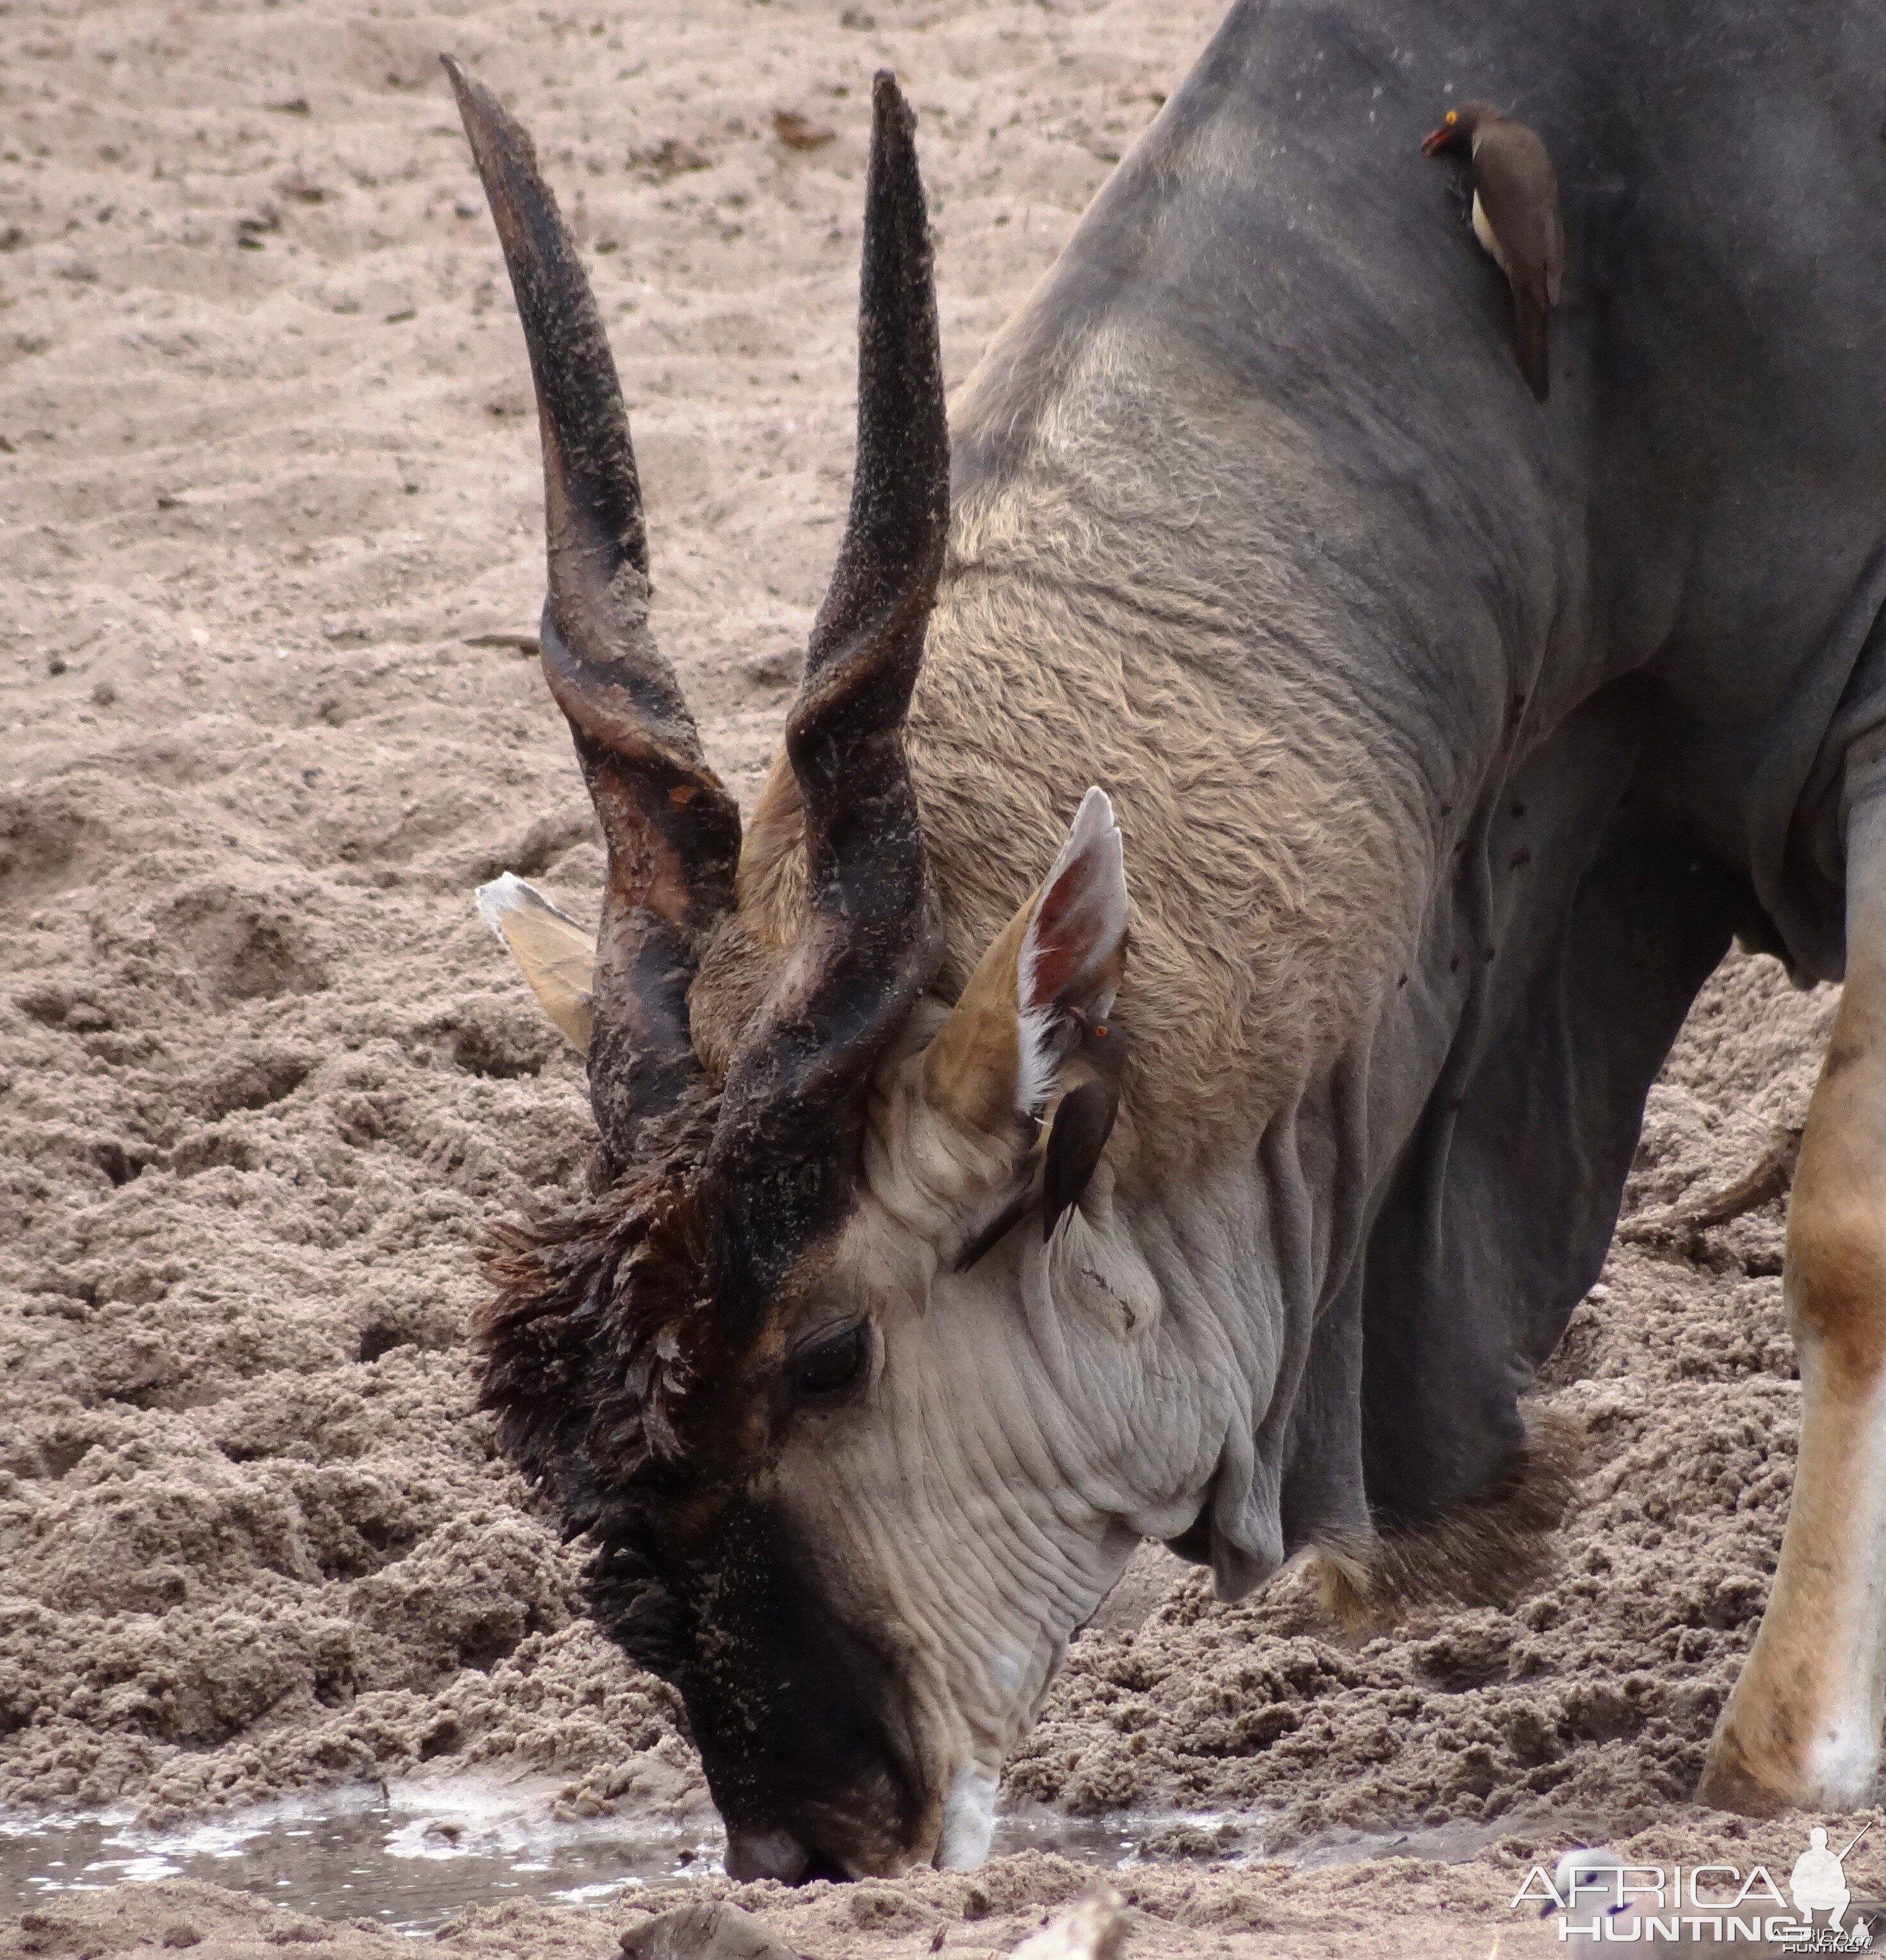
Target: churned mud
pixel 269 539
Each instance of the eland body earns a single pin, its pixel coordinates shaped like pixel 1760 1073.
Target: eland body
pixel 1001 1171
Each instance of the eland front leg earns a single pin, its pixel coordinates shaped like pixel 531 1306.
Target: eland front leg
pixel 1802 1727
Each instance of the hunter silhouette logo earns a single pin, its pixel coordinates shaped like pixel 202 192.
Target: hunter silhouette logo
pixel 1594 1895
pixel 1818 1884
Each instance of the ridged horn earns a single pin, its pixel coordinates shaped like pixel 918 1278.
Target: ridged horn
pixel 672 830
pixel 872 938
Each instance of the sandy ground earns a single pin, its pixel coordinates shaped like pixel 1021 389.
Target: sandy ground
pixel 269 511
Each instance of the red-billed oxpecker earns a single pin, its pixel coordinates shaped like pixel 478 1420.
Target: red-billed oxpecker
pixel 1516 218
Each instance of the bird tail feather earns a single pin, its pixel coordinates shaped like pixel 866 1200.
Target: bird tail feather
pixel 1531 339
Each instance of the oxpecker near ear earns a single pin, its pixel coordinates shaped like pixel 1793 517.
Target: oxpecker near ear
pixel 1045 986
pixel 1082 1126
pixel 556 956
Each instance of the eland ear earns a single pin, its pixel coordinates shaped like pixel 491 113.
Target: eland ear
pixel 556 956
pixel 1073 952
pixel 1044 987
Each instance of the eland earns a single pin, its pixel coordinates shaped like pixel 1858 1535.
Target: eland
pixel 1162 1057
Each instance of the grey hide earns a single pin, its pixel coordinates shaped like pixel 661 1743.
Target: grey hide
pixel 1627 638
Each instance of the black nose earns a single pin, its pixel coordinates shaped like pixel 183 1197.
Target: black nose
pixel 772 1853
pixel 766 1854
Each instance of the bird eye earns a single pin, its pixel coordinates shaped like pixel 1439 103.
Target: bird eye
pixel 1453 115
pixel 833 1365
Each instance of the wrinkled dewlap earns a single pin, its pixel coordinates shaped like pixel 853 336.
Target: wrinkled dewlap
pixel 270 509
pixel 1596 1693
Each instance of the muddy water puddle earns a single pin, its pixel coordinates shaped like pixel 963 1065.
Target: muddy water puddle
pixel 404 1859
pixel 410 1856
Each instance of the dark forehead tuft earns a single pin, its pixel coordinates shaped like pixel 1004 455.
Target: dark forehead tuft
pixel 624 1347
pixel 600 1312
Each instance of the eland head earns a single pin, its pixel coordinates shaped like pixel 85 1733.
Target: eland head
pixel 766 1368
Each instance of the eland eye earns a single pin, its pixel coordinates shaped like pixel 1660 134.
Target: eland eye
pixel 833 1365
